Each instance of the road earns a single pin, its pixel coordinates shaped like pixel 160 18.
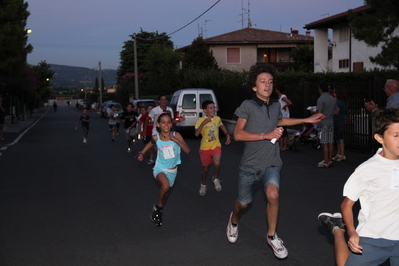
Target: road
pixel 68 203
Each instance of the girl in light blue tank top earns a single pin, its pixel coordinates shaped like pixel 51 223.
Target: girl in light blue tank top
pixel 169 146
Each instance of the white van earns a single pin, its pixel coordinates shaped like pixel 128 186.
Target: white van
pixel 188 103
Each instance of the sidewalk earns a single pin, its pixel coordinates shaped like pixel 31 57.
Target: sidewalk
pixel 19 126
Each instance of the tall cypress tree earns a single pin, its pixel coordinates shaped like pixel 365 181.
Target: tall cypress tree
pixel 198 56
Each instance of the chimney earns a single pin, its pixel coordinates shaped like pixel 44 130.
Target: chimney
pixel 307 33
pixel 294 32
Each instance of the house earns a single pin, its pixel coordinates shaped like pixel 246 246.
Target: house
pixel 348 54
pixel 239 50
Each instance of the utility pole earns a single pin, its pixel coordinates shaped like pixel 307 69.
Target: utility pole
pixel 136 78
pixel 101 89
pixel 85 88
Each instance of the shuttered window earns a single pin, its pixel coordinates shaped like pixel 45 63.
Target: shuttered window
pixel 233 55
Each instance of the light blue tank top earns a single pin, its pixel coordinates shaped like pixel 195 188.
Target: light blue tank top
pixel 168 153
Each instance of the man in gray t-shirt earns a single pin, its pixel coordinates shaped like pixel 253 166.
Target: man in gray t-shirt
pixel 259 124
pixel 326 105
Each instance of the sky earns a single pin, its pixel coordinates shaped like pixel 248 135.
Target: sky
pixel 84 32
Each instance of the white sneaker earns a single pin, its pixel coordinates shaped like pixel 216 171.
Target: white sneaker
pixel 84 140
pixel 202 190
pixel 278 248
pixel 231 231
pixel 218 187
pixel 129 150
pixel 150 161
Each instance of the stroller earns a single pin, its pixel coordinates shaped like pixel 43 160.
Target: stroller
pixel 307 135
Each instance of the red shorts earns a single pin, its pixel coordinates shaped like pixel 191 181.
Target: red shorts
pixel 206 156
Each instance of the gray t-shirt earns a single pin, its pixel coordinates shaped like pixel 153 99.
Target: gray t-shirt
pixel 326 104
pixel 261 118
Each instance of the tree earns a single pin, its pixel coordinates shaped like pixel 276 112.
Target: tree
pixel 13 44
pixel 198 56
pixel 145 40
pixel 162 70
pixel 44 75
pixel 379 27
pixel 303 58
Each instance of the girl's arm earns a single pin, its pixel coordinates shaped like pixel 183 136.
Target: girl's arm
pixel 223 128
pixel 285 99
pixel 347 213
pixel 180 141
pixel 148 146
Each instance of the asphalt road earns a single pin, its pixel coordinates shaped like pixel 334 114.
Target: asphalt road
pixel 68 203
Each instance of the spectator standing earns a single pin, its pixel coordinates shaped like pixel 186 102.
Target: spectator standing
pixel 211 148
pixel 326 105
pixel 339 122
pixel 55 106
pixel 284 103
pixel 169 144
pixel 375 184
pixel 129 118
pixel 2 117
pixel 85 119
pixel 391 89
pixel 259 125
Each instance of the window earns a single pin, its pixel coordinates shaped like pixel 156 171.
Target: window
pixel 189 101
pixel 233 55
pixel 344 34
pixel 343 63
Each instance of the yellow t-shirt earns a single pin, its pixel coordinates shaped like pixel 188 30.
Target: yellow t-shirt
pixel 210 133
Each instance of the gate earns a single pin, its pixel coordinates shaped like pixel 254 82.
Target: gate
pixel 358 133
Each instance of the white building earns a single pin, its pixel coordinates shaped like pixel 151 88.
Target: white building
pixel 348 54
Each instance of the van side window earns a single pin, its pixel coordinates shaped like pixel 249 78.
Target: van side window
pixel 189 101
pixel 205 97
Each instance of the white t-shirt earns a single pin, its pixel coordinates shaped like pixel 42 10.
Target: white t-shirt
pixel 286 112
pixel 376 184
pixel 154 115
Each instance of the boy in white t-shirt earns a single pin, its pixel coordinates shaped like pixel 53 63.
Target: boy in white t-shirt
pixel 375 183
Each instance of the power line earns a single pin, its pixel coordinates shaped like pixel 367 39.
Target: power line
pixel 184 25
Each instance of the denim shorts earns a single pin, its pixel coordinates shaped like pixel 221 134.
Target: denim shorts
pixel 247 181
pixel 375 252
pixel 170 174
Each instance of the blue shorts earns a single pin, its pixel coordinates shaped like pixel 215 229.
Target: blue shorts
pixel 85 129
pixel 247 181
pixel 170 174
pixel 375 252
pixel 111 126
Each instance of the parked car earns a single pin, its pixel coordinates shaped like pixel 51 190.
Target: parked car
pixel 137 104
pixel 188 103
pixel 106 105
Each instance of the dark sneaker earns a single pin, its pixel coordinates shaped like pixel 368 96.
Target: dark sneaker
pixel 278 248
pixel 331 221
pixel 231 231
pixel 156 216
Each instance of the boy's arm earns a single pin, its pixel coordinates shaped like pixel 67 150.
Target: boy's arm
pixel 295 121
pixel 77 124
pixel 241 135
pixel 347 214
pixel 199 129
pixel 223 128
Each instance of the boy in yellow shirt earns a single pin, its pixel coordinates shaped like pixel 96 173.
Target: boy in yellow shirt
pixel 210 149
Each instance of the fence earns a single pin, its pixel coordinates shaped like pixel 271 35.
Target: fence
pixel 358 133
pixel 357 130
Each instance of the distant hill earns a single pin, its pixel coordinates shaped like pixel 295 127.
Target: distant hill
pixel 74 77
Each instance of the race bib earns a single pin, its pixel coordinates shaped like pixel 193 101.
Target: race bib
pixel 168 152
